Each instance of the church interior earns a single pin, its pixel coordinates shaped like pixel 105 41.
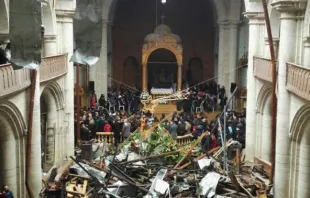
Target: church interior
pixel 148 54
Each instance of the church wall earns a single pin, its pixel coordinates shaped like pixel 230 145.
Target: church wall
pixel 192 21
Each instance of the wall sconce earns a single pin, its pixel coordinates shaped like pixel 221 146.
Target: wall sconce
pixel 163 1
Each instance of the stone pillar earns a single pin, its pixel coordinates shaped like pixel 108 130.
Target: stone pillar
pixel 179 88
pixel 50 45
pixel 101 82
pixel 306 55
pixel 255 21
pixel 287 46
pixel 221 55
pixel 228 48
pixel 35 173
pixel 65 22
pixel 144 77
pixel 233 49
pixel 275 47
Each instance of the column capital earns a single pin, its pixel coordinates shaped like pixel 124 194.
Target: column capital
pixel 254 15
pixel 65 16
pixel 275 40
pixel 229 24
pixel 306 41
pixel 255 18
pixel 289 5
pixel 50 38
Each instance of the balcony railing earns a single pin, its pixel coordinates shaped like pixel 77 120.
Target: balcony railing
pixel 298 80
pixel 53 67
pixel 263 69
pixel 13 80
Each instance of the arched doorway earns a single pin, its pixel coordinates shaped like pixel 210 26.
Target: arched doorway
pixel 195 71
pixel 12 148
pixel 131 71
pixel 263 131
pixel 52 133
pixel 300 154
pixel 162 69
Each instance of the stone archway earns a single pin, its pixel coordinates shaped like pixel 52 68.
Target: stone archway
pixel 12 148
pixel 162 69
pixel 300 154
pixel 52 132
pixel 263 128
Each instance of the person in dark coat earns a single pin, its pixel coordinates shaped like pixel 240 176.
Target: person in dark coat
pixel 102 101
pixel 116 128
pixel 85 133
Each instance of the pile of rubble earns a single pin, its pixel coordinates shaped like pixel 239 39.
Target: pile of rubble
pixel 150 164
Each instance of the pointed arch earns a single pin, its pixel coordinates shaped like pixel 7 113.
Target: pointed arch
pixel 12 148
pixel 300 149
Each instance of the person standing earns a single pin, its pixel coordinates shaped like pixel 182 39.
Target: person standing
pixel 173 130
pixel 126 129
pixel 7 191
pixel 116 128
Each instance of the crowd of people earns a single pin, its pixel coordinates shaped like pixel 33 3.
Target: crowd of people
pixel 121 114
pixel 205 96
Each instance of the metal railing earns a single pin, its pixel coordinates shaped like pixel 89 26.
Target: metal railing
pixel 263 68
pixel 298 80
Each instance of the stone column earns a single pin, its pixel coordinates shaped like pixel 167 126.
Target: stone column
pixel 255 21
pixel 35 173
pixel 267 49
pixel 101 82
pixel 65 22
pixel 287 46
pixel 221 55
pixel 233 49
pixel 306 55
pixel 179 88
pixel 144 77
pixel 227 59
pixel 50 45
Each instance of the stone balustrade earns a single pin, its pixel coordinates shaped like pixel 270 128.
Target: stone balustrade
pixel 263 69
pixel 298 80
pixel 186 139
pixel 53 67
pixel 15 80
pixel 108 137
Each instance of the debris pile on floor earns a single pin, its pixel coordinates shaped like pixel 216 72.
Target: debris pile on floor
pixel 151 164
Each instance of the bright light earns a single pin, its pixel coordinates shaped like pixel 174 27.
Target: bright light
pixel 163 1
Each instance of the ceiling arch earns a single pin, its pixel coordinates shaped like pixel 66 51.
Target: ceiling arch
pixel 219 7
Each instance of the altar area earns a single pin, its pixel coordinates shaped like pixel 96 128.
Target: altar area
pixel 162 59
